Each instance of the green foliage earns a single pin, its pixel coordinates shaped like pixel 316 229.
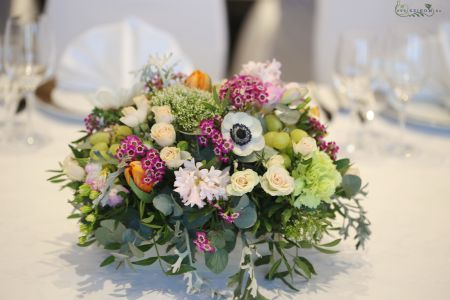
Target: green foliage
pixel 247 213
pixel 216 261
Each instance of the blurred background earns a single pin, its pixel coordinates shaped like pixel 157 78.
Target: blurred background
pixel 371 58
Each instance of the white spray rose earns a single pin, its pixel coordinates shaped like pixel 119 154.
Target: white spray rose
pixel 242 182
pixel 163 134
pixel 132 117
pixel 174 157
pixel 163 114
pixel 306 147
pixel 277 181
pixel 274 160
pixel 72 169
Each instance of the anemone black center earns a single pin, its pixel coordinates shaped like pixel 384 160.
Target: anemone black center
pixel 240 134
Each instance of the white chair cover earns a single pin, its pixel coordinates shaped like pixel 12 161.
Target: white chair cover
pixel 199 26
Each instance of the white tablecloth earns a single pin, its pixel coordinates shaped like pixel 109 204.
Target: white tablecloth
pixel 408 256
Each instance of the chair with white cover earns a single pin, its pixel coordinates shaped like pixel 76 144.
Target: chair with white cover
pixel 199 26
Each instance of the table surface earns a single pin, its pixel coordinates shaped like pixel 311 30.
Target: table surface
pixel 408 256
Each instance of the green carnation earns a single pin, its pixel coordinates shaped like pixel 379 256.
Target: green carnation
pixel 316 181
pixel 189 106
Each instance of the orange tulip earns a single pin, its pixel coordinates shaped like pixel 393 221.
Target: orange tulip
pixel 199 80
pixel 135 171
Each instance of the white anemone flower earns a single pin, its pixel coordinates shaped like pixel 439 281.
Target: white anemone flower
pixel 245 131
pixel 196 185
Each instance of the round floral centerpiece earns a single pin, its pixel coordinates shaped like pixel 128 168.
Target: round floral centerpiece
pixel 184 168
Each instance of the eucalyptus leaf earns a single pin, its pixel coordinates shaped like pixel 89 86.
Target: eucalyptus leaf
pixel 216 261
pixel 247 215
pixel 351 185
pixel 164 203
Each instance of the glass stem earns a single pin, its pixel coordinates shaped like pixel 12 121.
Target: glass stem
pixel 31 103
pixel 402 122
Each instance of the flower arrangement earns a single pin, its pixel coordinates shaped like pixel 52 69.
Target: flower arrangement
pixel 183 168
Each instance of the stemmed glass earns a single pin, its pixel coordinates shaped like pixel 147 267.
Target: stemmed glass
pixel 405 68
pixel 353 67
pixel 28 61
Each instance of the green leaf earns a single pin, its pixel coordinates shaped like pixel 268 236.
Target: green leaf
pixel 286 215
pixel 216 261
pixel 184 268
pixel 263 260
pixel 307 263
pixel 145 262
pixel 113 246
pixel 170 259
pixel 273 270
pixel 135 250
pixel 109 260
pixel 326 251
pixel 288 284
pixel 273 209
pixel 217 239
pixel 302 265
pixel 143 196
pixel 331 244
pixel 145 248
pixel 342 165
pixel 163 203
pixel 86 244
pixel 74 216
pixel 351 185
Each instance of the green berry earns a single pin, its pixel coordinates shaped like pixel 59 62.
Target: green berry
pixel 99 137
pixel 281 140
pixel 273 123
pixel 268 138
pixel 287 160
pixel 298 134
pixel 113 149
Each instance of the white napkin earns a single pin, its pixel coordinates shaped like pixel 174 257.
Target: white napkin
pixel 106 56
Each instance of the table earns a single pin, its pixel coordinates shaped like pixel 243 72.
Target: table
pixel 408 256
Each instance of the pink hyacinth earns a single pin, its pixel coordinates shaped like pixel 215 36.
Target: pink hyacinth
pixel 244 89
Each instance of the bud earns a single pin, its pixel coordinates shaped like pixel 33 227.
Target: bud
pixel 85 209
pixel 135 171
pixel 90 218
pixel 199 80
pixel 93 195
pixel 84 190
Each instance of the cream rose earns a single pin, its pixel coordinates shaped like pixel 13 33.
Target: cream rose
pixel 174 157
pixel 242 182
pixel 72 169
pixel 305 147
pixel 163 114
pixel 274 160
pixel 277 181
pixel 163 134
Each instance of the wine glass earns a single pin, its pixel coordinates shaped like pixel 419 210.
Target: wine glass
pixel 353 67
pixel 405 68
pixel 28 61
